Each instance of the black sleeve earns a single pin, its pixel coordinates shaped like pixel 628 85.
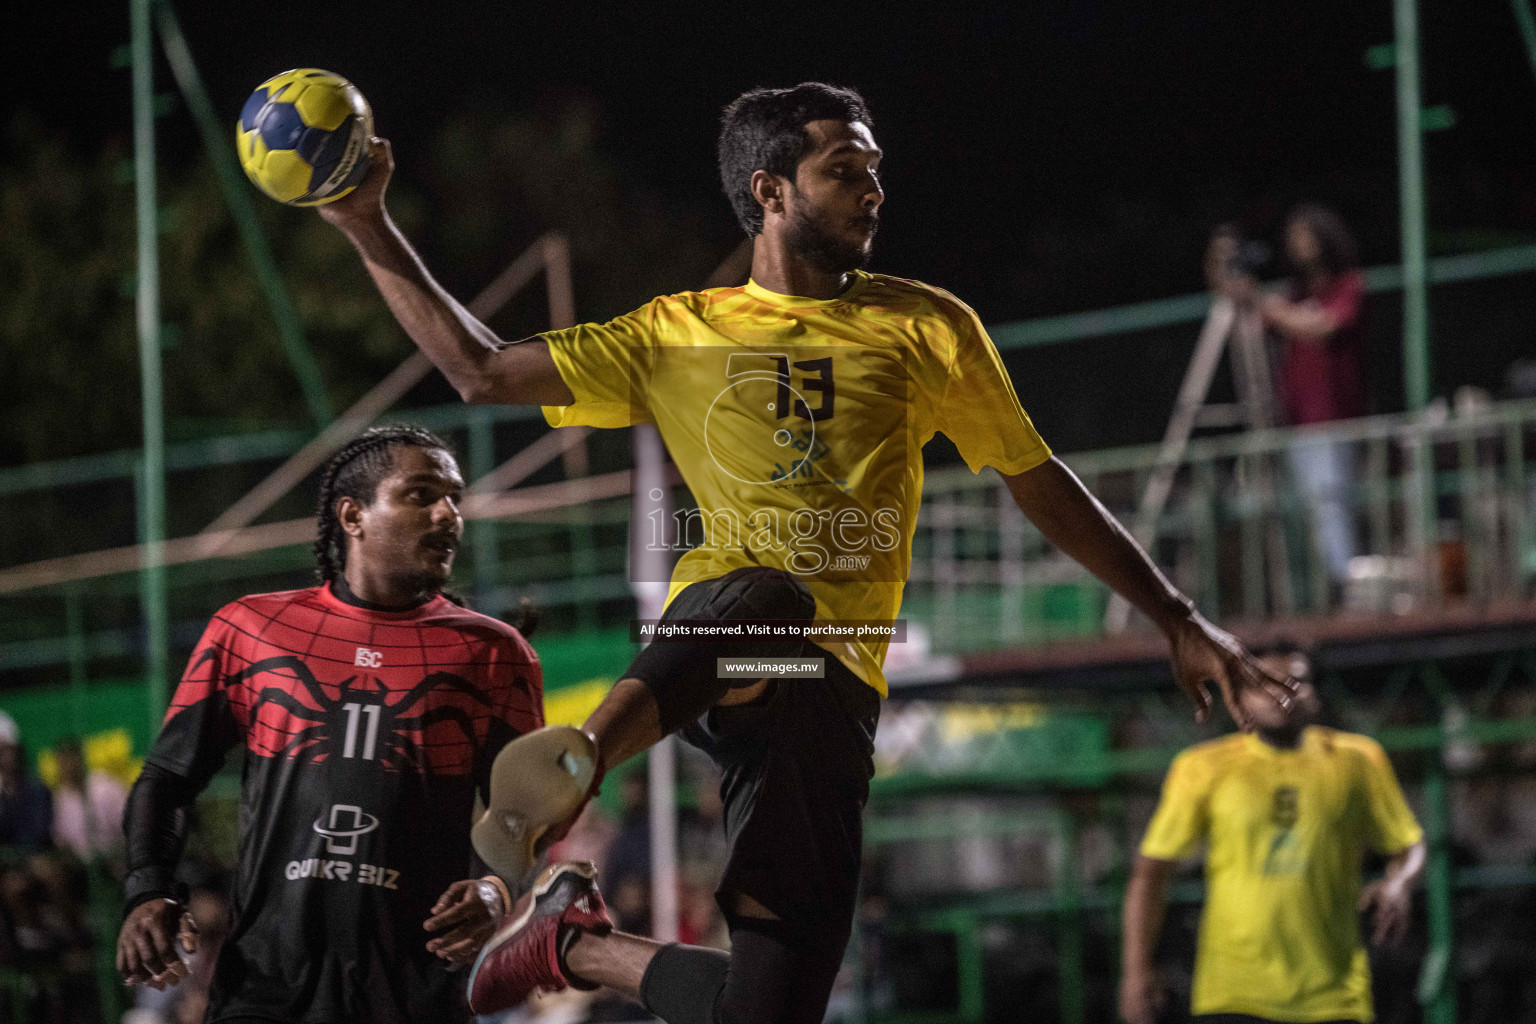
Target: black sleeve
pixel 497 736
pixel 155 826
pixel 190 749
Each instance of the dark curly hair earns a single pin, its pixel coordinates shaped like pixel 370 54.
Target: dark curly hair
pixel 355 472
pixel 1334 240
pixel 765 130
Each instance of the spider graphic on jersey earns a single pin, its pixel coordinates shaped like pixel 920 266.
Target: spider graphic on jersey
pixel 357 721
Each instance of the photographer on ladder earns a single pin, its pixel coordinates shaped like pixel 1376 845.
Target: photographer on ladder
pixel 1319 319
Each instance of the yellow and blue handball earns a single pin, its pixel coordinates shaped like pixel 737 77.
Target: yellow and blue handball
pixel 303 137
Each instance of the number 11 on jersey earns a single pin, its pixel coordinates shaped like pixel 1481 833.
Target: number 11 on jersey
pixel 370 737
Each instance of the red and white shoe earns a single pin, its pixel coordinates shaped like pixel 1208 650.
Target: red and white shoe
pixel 529 953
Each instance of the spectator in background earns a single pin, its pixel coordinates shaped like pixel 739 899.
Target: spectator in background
pixel 627 865
pixel 26 809
pixel 87 806
pixel 39 919
pixel 1322 364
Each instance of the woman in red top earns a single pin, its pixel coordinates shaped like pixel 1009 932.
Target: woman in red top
pixel 1322 371
pixel 1322 366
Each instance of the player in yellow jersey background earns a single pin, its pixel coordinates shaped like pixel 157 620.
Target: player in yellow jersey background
pixel 796 409
pixel 1285 814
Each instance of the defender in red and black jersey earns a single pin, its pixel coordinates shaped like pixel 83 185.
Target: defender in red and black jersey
pixel 367 725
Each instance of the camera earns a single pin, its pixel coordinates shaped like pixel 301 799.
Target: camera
pixel 1231 255
pixel 1249 259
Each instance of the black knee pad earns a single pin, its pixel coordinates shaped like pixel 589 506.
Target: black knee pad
pixel 756 592
pixel 766 979
pixel 781 973
pixel 682 674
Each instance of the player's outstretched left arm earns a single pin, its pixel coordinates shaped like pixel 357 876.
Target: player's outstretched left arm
pixel 1056 501
pixel 476 362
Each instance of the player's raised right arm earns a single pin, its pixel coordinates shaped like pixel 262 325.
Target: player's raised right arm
pixel 481 367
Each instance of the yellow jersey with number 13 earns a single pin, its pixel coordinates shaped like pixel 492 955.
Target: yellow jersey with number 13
pixel 798 424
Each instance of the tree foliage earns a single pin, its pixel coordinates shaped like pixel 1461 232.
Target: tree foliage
pixel 70 358
pixel 496 180
pixel 491 182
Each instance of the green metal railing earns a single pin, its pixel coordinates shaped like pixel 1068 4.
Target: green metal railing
pixel 1445 506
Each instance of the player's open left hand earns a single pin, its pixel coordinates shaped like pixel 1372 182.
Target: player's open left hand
pixel 464 916
pixel 1203 653
pixel 366 202
pixel 147 951
pixel 1392 902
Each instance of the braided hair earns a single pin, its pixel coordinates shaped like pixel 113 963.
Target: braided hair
pixel 355 472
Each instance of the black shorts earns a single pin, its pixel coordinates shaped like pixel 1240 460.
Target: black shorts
pixel 796 763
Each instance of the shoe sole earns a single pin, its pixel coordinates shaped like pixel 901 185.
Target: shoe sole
pixel 537 782
pixel 546 881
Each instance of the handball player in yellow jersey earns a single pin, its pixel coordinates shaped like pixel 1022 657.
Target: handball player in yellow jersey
pixel 1285 814
pixel 795 408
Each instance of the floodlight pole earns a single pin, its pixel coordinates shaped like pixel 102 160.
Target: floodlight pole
pixel 1410 177
pixel 650 566
pixel 151 505
pixel 1440 1003
pixel 1527 22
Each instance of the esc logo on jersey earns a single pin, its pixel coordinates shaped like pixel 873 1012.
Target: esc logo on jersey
pixel 368 659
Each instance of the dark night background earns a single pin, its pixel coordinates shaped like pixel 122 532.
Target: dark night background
pixel 1041 158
